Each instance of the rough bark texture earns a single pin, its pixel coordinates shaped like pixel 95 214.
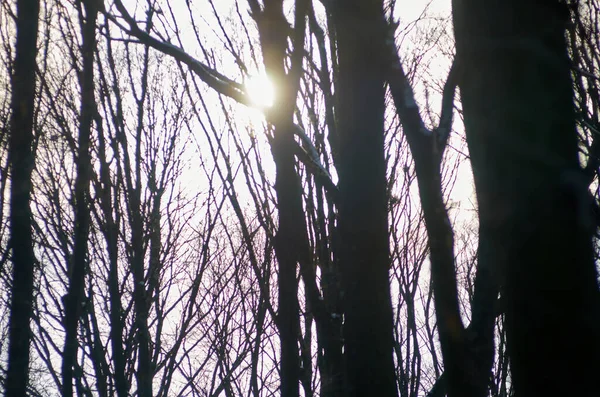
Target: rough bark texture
pixel 363 225
pixel 21 163
pixel 518 109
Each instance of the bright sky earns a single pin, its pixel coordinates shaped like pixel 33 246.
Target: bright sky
pixel 431 68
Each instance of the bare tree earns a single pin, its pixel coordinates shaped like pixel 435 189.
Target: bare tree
pixel 21 165
pixel 193 241
pixel 74 299
pixel 231 89
pixel 517 97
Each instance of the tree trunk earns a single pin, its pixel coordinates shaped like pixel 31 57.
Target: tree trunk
pixel 109 201
pixel 77 268
pixel 291 238
pixel 21 163
pixel 363 225
pixel 534 206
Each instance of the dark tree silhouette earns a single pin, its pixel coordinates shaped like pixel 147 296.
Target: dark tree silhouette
pixel 361 31
pixel 21 165
pixel 534 207
pixel 190 260
pixel 74 300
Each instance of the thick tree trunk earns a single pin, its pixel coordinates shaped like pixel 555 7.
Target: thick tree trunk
pixel 533 203
pixel 21 163
pixel 363 225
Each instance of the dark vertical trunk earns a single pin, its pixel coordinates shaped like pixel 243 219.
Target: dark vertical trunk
pixel 329 331
pixel 21 163
pixel 144 372
pixel 116 309
pixel 287 187
pixel 133 177
pixel 443 273
pixel 484 310
pixel 534 206
pixel 154 265
pixel 462 377
pixel 111 232
pixel 95 340
pixel 291 234
pixel 77 267
pixel 363 225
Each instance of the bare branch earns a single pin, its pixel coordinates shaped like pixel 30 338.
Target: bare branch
pixel 446 117
pixel 217 81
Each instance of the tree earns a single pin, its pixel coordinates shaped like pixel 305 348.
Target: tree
pixel 363 223
pixel 533 201
pixel 192 240
pixel 21 165
pixel 76 269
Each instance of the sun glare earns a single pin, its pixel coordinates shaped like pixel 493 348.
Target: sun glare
pixel 260 90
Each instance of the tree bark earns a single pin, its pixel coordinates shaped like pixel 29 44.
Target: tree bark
pixel 22 160
pixel 363 224
pixel 534 206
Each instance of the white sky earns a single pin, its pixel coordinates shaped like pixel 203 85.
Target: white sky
pixel 432 67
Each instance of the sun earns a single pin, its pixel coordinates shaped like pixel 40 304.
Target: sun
pixel 260 90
